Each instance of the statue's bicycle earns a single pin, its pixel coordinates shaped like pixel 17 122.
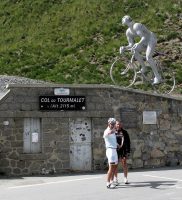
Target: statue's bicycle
pixel 126 71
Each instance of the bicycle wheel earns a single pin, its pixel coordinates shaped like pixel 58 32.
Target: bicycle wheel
pixel 123 72
pixel 167 84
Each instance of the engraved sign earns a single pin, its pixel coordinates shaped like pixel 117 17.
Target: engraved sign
pixel 129 117
pixel 61 103
pixel 149 117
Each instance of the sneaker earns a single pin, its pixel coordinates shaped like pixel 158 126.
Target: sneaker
pixel 112 186
pixel 116 182
pixel 126 180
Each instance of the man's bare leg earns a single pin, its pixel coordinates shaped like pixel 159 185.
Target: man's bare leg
pixel 110 174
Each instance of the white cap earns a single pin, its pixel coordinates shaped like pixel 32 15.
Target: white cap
pixel 111 120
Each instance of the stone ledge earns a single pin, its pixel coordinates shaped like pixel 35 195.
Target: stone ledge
pixel 92 86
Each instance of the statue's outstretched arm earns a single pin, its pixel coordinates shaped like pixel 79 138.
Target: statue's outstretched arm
pixel 130 40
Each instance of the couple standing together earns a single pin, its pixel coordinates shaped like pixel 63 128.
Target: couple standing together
pixel 117 144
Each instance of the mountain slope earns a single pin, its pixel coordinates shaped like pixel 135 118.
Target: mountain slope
pixel 75 41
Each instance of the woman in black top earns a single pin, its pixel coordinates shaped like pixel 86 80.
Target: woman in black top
pixel 123 149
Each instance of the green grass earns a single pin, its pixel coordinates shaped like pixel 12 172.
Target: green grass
pixel 75 41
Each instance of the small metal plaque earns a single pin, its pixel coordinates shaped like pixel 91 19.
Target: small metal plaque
pixel 61 91
pixel 62 103
pixel 149 117
pixel 129 117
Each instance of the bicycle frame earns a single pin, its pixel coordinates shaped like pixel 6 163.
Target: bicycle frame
pixel 167 84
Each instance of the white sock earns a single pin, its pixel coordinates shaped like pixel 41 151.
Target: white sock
pixel 115 179
pixel 108 183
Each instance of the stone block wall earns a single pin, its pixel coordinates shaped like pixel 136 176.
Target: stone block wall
pixel 152 145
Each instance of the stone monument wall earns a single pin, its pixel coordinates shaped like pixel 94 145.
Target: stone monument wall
pixel 153 122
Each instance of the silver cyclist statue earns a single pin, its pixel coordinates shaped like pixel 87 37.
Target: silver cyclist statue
pixel 147 43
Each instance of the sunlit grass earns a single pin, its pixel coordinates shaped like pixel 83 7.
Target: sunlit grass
pixel 75 41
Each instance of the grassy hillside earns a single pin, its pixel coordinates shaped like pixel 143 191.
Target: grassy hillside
pixel 75 41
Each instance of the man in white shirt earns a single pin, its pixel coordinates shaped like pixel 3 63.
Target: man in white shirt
pixel 111 153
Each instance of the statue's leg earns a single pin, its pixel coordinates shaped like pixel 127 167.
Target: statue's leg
pixel 141 61
pixel 150 60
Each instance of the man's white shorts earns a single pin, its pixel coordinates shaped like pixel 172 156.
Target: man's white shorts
pixel 112 156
